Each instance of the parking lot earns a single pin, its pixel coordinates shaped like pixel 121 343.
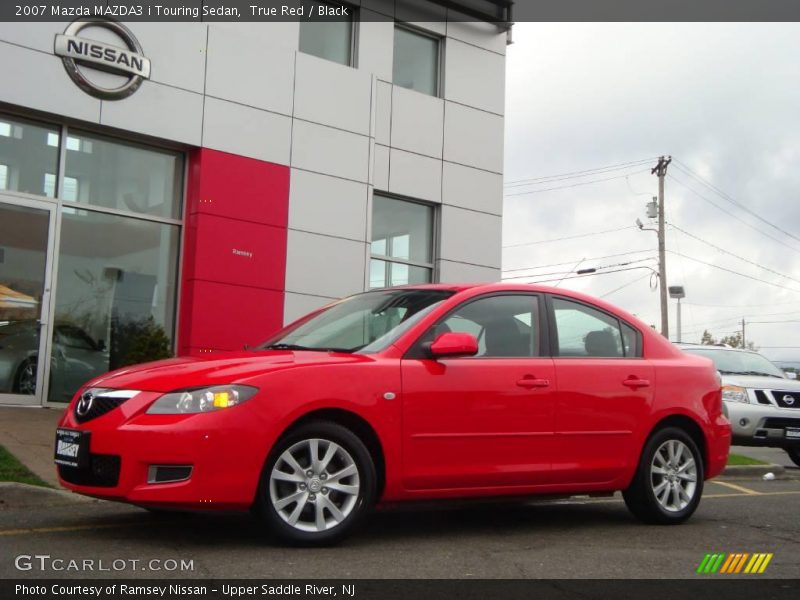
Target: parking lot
pixel 579 537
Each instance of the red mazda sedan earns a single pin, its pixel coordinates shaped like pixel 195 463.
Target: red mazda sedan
pixel 418 392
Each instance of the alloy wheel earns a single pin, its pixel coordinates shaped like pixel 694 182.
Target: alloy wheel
pixel 26 384
pixel 673 475
pixel 314 485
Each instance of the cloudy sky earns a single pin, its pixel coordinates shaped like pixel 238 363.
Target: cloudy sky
pixel 724 101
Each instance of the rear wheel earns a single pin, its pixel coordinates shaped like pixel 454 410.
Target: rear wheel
pixel 318 484
pixel 794 454
pixel 25 380
pixel 669 479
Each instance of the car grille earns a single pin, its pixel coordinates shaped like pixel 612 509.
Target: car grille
pixel 94 403
pixel 780 423
pixel 786 399
pixel 103 471
pixel 761 396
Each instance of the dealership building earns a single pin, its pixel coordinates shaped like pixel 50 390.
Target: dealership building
pixel 189 187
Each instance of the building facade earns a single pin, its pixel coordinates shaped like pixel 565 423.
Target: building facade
pixel 254 173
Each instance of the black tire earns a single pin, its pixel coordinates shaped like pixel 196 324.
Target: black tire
pixel 794 454
pixel 355 506
pixel 640 497
pixel 23 373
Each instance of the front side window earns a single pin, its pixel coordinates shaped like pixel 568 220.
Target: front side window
pixel 402 242
pixel 587 332
pixel 365 322
pixel 505 326
pixel 331 40
pixel 416 61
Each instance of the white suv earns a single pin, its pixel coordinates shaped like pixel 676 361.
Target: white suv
pixel 761 401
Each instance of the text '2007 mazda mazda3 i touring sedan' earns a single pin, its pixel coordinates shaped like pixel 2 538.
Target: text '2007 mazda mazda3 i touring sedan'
pixel 418 392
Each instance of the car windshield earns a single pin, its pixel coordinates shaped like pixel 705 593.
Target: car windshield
pixel 730 362
pixel 368 322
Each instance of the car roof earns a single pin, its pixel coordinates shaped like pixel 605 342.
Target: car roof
pixel 688 346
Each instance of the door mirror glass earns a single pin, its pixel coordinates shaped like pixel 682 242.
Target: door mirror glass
pixel 454 344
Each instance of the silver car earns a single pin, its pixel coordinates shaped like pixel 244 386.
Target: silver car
pixel 76 358
pixel 761 401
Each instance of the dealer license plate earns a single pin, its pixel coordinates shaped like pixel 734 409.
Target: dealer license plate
pixel 72 448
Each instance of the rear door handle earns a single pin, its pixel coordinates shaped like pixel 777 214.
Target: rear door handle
pixel 635 383
pixel 533 382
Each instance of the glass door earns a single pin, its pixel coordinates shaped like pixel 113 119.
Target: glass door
pixel 26 233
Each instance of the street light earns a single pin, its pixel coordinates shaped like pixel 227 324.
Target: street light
pixel 677 292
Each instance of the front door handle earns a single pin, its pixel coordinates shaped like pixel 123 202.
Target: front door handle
pixel 636 383
pixel 533 382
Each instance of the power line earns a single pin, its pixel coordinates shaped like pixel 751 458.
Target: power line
pixel 740 305
pixel 625 285
pixel 594 269
pixel 569 237
pixel 570 262
pixel 734 272
pixel 587 275
pixel 750 262
pixel 738 218
pixel 563 187
pixel 685 169
pixel 576 174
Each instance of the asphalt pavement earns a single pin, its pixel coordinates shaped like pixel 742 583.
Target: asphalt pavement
pixel 579 537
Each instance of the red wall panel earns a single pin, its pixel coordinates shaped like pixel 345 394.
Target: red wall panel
pixel 234 255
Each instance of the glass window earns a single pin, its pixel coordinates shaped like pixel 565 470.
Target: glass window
pixel 402 242
pixel 331 40
pixel 351 324
pixel 27 154
pixel 584 331
pixel 630 337
pixel 505 326
pixel 416 61
pixel 115 299
pixel 113 174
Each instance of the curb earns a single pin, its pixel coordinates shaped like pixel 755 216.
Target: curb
pixel 23 495
pixel 753 470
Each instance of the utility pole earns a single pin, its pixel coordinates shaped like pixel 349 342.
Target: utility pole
pixel 744 342
pixel 661 171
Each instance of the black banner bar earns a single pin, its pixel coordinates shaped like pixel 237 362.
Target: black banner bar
pixel 711 588
pixel 407 10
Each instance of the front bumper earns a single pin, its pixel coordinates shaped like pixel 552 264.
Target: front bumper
pixel 762 425
pixel 226 450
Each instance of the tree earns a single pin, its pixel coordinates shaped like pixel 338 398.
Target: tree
pixel 733 340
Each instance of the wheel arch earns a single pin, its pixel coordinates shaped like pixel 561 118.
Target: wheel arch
pixel 359 426
pixel 690 426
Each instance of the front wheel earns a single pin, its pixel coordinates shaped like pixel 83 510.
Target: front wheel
pixel 318 483
pixel 668 483
pixel 25 380
pixel 794 454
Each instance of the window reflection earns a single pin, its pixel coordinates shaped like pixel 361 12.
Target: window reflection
pixel 26 155
pixel 123 176
pixel 115 296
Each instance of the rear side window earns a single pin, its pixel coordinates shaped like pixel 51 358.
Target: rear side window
pixel 583 331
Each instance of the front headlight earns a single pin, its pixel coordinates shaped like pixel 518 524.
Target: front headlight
pixel 201 400
pixel 734 393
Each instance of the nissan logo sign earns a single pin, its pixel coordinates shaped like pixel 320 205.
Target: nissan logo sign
pixel 788 400
pixel 84 404
pixel 128 61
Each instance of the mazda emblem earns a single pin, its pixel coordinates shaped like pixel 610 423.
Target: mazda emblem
pixel 84 404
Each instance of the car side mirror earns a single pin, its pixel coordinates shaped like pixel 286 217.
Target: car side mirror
pixel 454 344
pixel 790 374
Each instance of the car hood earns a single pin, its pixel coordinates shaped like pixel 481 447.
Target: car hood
pixel 762 383
pixel 198 371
